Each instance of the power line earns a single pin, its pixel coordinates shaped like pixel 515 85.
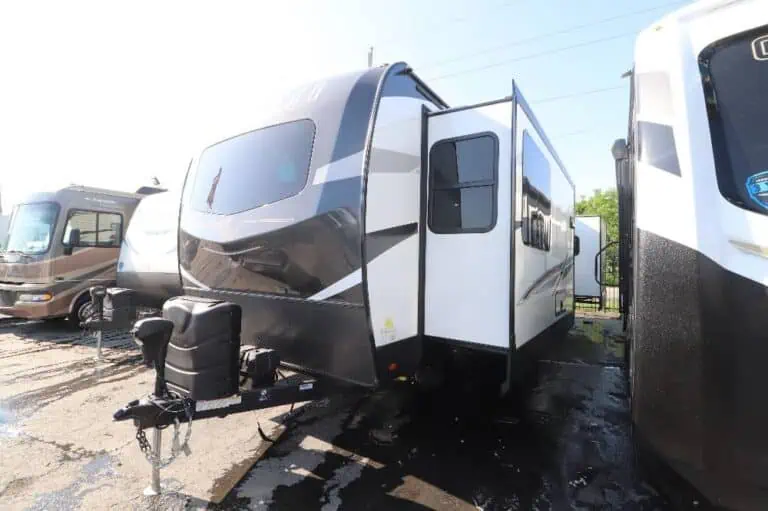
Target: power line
pixel 531 56
pixel 576 94
pixel 550 34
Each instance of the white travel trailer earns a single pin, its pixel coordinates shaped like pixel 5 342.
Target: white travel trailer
pixel 369 211
pixel 693 190
pixel 589 270
pixel 149 256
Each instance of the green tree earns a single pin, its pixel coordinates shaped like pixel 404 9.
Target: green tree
pixel 605 203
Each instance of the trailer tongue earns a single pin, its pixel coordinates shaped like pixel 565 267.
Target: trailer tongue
pixel 202 371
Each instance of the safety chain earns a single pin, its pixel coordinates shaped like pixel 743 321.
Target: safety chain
pixel 176 448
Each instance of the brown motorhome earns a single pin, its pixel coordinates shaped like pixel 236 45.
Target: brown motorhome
pixel 58 245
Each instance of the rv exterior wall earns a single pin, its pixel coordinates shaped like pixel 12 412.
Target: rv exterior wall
pixel 543 244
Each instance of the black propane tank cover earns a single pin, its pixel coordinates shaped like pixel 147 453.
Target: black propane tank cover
pixel 119 308
pixel 202 361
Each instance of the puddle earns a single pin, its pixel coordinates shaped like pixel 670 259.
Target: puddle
pixel 7 424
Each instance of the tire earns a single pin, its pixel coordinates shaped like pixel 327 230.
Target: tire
pixel 80 310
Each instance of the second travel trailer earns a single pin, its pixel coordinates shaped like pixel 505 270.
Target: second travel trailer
pixel 591 231
pixel 149 259
pixel 693 191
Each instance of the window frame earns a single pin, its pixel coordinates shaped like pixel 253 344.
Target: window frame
pixel 524 203
pixel 493 183
pixel 70 214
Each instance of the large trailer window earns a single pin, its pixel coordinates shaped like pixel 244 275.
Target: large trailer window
pixel 537 204
pixel 96 229
pixel 462 182
pixel 735 76
pixel 32 227
pixel 253 169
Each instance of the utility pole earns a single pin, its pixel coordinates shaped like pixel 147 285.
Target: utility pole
pixel 370 56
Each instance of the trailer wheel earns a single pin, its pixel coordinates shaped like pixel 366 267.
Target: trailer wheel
pixel 81 310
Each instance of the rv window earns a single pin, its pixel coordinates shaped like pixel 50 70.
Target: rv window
pixel 735 77
pixel 463 184
pixel 253 169
pixel 96 229
pixel 536 203
pixel 31 227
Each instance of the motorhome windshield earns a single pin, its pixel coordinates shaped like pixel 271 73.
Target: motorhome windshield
pixel 32 227
pixel 253 169
pixel 735 74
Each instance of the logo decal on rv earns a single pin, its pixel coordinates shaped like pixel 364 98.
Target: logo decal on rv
pixel 760 48
pixel 757 187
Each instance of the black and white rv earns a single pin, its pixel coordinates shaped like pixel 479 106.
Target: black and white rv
pixel 693 188
pixel 366 219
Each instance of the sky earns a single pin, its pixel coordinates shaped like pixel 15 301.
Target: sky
pixel 110 94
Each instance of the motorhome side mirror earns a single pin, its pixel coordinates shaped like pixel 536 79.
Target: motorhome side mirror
pixel 576 246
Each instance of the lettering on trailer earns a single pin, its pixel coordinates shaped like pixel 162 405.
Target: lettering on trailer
pixel 213 404
pixel 757 188
pixel 760 48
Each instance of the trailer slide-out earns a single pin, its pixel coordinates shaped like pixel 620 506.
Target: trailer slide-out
pixel 362 228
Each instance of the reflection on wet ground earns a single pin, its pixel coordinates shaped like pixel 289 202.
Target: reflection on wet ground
pixel 566 446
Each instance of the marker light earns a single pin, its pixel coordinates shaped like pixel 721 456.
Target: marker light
pixel 36 298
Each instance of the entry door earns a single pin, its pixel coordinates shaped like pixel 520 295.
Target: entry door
pixel 467 247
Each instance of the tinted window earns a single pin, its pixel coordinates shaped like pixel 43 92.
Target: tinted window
pixel 537 204
pixel 735 74
pixel 463 184
pixel 96 229
pixel 253 169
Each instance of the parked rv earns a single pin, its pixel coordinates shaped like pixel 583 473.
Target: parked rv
pixel 58 245
pixel 590 266
pixel 693 190
pixel 4 221
pixel 148 262
pixel 367 221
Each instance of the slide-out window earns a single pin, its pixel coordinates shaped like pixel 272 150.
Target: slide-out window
pixel 536 203
pixel 463 179
pixel 96 229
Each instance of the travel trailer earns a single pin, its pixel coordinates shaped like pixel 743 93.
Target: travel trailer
pixel 4 220
pixel 693 189
pixel 590 268
pixel 148 262
pixel 58 245
pixel 366 222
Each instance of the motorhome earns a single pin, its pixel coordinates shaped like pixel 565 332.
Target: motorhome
pixel 148 261
pixel 366 222
pixel 58 245
pixel 590 265
pixel 693 189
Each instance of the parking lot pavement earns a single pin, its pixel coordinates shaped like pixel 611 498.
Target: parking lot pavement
pixel 566 446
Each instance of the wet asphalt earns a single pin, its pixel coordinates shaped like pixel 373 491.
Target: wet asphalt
pixel 565 444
